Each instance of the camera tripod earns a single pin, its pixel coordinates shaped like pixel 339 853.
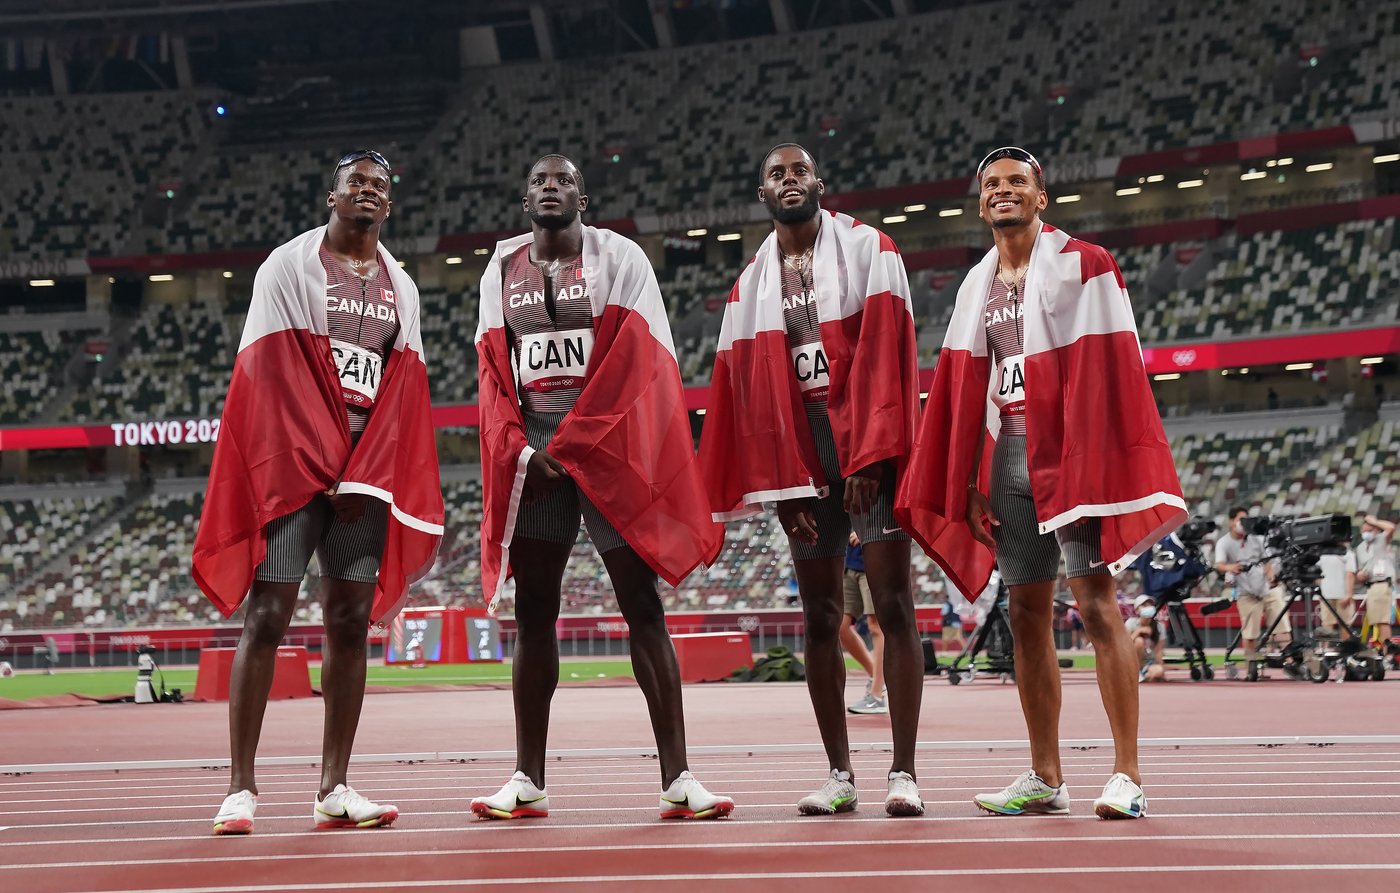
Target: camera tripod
pixel 994 642
pixel 1307 656
pixel 1185 634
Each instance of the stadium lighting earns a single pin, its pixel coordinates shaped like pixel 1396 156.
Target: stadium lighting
pixel 161 277
pixel 894 218
pixel 1285 162
pixel 1166 376
pixel 482 252
pixel 41 283
pixel 950 212
pixel 1156 178
pixel 111 280
pixel 1131 190
pixel 220 110
pixel 453 261
pixel 400 265
pixel 1244 370
pixel 700 411
pixel 1224 371
pixel 228 274
pixel 1190 184
pixel 1386 159
pixel 1317 168
pixel 729 237
pixel 1254 175
pixel 169 193
pixel 1297 367
pixel 1067 199
pixel 924 395
pixel 1365 361
pixel 697 232
pixel 913 209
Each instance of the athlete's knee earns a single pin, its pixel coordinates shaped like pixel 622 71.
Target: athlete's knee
pixel 267 622
pixel 1101 617
pixel 642 610
pixel 347 622
pixel 1028 617
pixel 895 613
pixel 822 623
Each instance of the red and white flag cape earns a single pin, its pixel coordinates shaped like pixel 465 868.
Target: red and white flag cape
pixel 626 443
pixel 1094 440
pixel 285 435
pixel 756 445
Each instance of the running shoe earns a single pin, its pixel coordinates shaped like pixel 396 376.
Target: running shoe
pixel 837 794
pixel 236 815
pixel 903 798
pixel 1121 799
pixel 687 798
pixel 1028 794
pixel 517 800
pixel 344 807
pixel 869 704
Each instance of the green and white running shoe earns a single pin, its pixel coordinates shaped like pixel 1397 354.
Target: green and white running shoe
pixel 1027 795
pixel 837 794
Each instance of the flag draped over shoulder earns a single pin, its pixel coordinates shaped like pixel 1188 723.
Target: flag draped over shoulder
pixel 1094 439
pixel 285 436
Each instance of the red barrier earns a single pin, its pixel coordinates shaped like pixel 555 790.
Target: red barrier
pixel 291 676
pixel 712 657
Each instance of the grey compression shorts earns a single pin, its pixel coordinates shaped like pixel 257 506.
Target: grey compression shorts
pixel 555 518
pixel 346 551
pixel 1024 554
pixel 834 526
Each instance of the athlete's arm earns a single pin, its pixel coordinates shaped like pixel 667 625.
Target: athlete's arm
pixel 979 508
pixel 542 473
pixel 862 487
pixel 797 519
pixel 348 507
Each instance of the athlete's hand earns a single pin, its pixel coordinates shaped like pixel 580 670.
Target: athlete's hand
pixel 862 487
pixel 979 511
pixel 348 507
pixel 797 519
pixel 542 474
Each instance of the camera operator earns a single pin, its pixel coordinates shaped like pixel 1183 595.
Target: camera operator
pixel 1146 634
pixel 1338 582
pixel 1375 565
pixel 1242 556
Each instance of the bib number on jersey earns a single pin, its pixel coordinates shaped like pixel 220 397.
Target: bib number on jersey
pixel 360 372
pixel 1009 393
pixel 552 361
pixel 813 373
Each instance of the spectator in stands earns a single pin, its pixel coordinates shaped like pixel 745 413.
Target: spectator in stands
pixel 1273 398
pixel 1080 469
pixel 326 425
pixel 1241 555
pixel 1338 584
pixel 569 426
pixel 1375 569
pixel 858 604
pixel 1146 632
pixel 816 387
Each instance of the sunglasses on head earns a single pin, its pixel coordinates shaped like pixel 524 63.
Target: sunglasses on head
pixel 1013 152
pixel 361 155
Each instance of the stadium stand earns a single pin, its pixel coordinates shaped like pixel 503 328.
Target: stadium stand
pixel 1360 474
pixel 32 365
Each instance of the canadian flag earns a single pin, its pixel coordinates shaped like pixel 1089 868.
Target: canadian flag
pixel 285 436
pixel 1095 443
pixel 388 293
pixel 626 443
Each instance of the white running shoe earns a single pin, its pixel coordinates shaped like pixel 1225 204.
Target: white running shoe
pixel 517 800
pixel 1121 799
pixel 236 815
pixel 1028 794
pixel 344 807
pixel 687 798
pixel 869 704
pixel 903 798
pixel 837 794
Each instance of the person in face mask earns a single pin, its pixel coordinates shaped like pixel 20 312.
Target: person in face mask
pixel 1375 569
pixel 1146 633
pixel 1239 554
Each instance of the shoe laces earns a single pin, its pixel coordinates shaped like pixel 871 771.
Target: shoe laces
pixel 835 785
pixel 902 784
pixel 1028 783
pixel 1120 785
pixel 350 797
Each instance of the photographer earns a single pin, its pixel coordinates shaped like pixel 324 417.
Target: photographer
pixel 1375 569
pixel 1146 633
pixel 1242 556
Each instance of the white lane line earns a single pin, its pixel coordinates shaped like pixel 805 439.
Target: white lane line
pixel 652 788
pixel 738 844
pixel 715 750
pixel 572 810
pixel 980 872
pixel 486 827
pixel 653 791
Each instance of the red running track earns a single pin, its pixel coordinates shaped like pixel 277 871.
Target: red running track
pixel 1234 817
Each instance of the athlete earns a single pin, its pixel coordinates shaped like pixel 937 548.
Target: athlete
pixel 813 404
pixel 1043 335
pixel 595 426
pixel 326 447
